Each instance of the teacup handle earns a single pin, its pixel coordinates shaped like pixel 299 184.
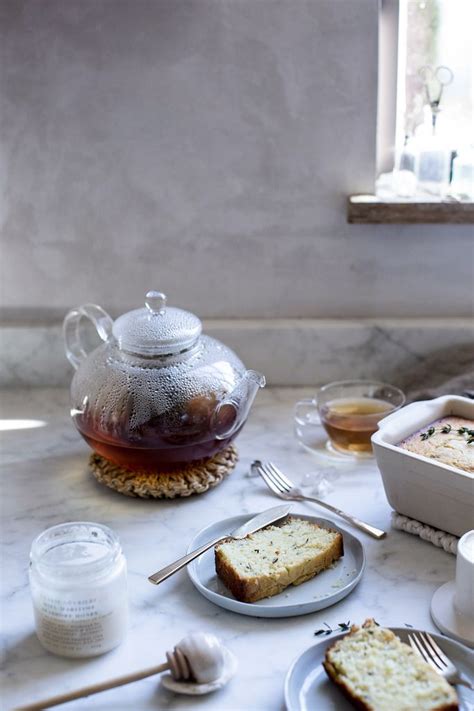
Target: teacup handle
pixel 75 349
pixel 304 406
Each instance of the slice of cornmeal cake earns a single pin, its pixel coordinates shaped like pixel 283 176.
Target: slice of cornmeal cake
pixel 268 561
pixel 376 671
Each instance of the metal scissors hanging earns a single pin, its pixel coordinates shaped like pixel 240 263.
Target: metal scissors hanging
pixel 434 81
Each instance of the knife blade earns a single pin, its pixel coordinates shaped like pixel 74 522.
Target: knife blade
pixel 261 520
pixel 265 518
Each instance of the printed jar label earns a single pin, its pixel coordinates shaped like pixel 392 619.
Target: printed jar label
pixel 82 627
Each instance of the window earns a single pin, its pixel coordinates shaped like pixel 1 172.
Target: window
pixel 425 127
pixel 434 125
pixel 436 33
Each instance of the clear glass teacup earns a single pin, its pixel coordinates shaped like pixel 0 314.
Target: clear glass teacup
pixel 349 411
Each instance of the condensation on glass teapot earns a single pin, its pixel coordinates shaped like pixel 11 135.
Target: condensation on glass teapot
pixel 156 393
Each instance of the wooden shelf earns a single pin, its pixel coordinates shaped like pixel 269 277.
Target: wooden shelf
pixel 368 209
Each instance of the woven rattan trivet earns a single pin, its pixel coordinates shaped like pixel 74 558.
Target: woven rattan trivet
pixel 195 478
pixel 438 538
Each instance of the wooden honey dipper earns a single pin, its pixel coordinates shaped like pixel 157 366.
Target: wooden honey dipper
pixel 197 657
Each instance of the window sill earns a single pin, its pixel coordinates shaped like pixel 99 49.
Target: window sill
pixel 368 209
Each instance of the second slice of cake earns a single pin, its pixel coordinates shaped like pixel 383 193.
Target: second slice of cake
pixel 266 562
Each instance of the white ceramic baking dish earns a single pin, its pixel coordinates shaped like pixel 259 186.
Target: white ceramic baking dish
pixel 419 487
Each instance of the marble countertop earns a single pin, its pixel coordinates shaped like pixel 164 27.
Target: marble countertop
pixel 45 481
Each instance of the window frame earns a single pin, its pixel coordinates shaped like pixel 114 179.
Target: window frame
pixel 387 84
pixel 368 209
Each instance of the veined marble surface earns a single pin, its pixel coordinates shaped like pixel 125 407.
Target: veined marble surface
pixel 45 482
pixel 411 353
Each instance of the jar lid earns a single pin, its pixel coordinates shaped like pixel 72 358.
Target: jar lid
pixel 156 329
pixel 75 550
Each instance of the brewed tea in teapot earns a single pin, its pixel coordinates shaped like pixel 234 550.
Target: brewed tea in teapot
pixel 157 393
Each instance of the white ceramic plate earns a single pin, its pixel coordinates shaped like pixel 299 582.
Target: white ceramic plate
pixel 324 590
pixel 193 689
pixel 307 686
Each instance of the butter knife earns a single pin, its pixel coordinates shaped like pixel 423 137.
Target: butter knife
pixel 255 524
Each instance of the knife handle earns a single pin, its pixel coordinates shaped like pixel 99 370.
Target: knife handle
pixel 172 568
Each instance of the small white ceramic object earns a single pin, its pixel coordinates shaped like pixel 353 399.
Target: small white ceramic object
pixel 227 668
pixel 452 605
pixel 419 487
pixel 323 590
pixel 199 656
pixel 464 597
pixel 307 685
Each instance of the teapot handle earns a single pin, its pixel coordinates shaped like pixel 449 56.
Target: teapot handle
pixel 75 350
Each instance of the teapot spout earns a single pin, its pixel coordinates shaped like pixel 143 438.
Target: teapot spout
pixel 231 413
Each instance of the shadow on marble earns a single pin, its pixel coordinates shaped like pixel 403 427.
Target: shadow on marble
pixel 27 650
pixel 445 371
pixel 24 649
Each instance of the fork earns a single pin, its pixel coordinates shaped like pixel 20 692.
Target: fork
pixel 424 645
pixel 283 487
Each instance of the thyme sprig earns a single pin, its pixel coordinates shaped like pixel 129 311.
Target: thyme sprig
pixel 341 627
pixel 446 429
pixel 326 630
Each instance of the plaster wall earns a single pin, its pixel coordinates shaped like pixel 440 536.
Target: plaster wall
pixel 204 148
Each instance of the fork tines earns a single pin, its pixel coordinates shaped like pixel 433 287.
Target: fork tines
pixel 274 479
pixel 424 644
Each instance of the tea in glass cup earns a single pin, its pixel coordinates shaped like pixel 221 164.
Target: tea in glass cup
pixel 349 411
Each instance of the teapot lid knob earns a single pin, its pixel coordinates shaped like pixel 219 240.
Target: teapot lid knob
pixel 155 302
pixel 157 329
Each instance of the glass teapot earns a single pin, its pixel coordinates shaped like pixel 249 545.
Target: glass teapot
pixel 156 393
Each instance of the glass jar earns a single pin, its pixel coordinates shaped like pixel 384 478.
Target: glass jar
pixel 78 582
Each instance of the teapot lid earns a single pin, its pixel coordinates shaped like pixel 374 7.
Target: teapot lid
pixel 156 329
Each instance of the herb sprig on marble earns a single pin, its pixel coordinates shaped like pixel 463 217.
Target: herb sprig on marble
pixel 341 627
pixel 465 432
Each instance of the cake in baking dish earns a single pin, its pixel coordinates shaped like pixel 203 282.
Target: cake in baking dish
pixel 449 440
